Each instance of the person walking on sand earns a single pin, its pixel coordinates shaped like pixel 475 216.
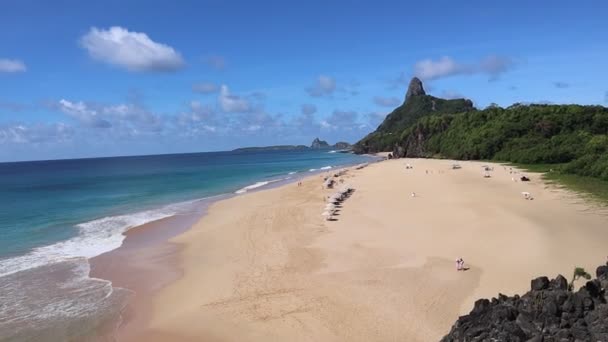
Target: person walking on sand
pixel 459 264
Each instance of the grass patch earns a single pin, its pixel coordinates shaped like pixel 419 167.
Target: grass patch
pixel 589 187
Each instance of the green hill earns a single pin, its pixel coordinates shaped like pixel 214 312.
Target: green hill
pixel 570 140
pixel 416 105
pixel 573 136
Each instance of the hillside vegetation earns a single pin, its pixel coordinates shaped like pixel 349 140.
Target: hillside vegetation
pixel 569 141
pixel 573 136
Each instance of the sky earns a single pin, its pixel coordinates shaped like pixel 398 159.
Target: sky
pixel 107 78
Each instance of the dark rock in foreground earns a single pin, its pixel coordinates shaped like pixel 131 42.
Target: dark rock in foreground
pixel 548 312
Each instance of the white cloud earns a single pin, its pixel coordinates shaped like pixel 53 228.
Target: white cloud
pixel 121 117
pixel 35 133
pixel 205 88
pixel 324 86
pixel 232 103
pixel 12 65
pixel 492 66
pixel 386 101
pixel 134 51
pixel 429 70
pixel 83 114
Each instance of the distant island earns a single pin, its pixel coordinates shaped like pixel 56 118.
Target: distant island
pixel 316 144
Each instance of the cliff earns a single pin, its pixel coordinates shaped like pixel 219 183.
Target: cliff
pixel 319 144
pixel 417 104
pixel 548 312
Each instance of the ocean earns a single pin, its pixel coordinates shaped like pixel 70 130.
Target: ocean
pixel 55 215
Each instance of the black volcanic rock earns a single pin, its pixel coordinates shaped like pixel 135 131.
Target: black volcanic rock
pixel 548 312
pixel 414 89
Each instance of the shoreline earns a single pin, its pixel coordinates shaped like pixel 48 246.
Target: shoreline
pixel 147 260
pixel 274 267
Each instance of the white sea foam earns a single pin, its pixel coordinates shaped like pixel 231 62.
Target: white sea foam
pixel 292 172
pixel 259 185
pixel 325 168
pixel 94 238
pixel 332 151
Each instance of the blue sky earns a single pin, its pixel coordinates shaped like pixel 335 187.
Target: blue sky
pixel 83 79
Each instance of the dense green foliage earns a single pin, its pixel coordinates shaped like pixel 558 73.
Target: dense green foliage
pixel 387 134
pixel 570 135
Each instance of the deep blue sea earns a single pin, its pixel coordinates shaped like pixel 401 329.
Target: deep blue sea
pixel 54 215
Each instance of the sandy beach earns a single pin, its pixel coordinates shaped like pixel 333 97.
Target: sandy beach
pixel 266 266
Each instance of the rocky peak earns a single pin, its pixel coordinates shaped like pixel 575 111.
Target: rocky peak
pixel 317 143
pixel 415 88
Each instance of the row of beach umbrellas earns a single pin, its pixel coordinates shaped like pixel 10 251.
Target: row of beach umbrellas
pixel 334 200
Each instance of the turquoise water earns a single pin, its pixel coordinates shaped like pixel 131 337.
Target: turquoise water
pixel 54 215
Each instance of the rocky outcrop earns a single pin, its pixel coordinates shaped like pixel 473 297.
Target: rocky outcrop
pixel 319 143
pixel 548 312
pixel 341 145
pixel 414 89
pixel 416 106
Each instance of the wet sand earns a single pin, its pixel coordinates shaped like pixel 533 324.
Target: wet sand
pixel 266 266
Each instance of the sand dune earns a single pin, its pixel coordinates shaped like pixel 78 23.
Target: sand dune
pixel 265 266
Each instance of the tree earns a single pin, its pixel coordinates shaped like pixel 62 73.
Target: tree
pixel 578 273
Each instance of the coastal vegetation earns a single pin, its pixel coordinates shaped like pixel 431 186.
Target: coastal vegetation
pixel 569 142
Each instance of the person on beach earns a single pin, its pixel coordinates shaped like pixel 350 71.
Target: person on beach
pixel 459 264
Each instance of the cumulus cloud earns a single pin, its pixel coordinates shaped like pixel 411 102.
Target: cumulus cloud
pixel 493 66
pixel 386 101
pixel 85 115
pixel 561 85
pixel 308 109
pixel 134 51
pixel 35 133
pixel 216 62
pixel 324 86
pixel 205 88
pixel 129 118
pixel 230 103
pixel 11 65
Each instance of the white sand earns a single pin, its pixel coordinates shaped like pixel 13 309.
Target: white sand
pixel 265 266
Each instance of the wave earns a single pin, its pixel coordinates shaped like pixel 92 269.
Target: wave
pixel 259 185
pixel 66 299
pixel 292 172
pixel 321 168
pixel 94 238
pixel 332 151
